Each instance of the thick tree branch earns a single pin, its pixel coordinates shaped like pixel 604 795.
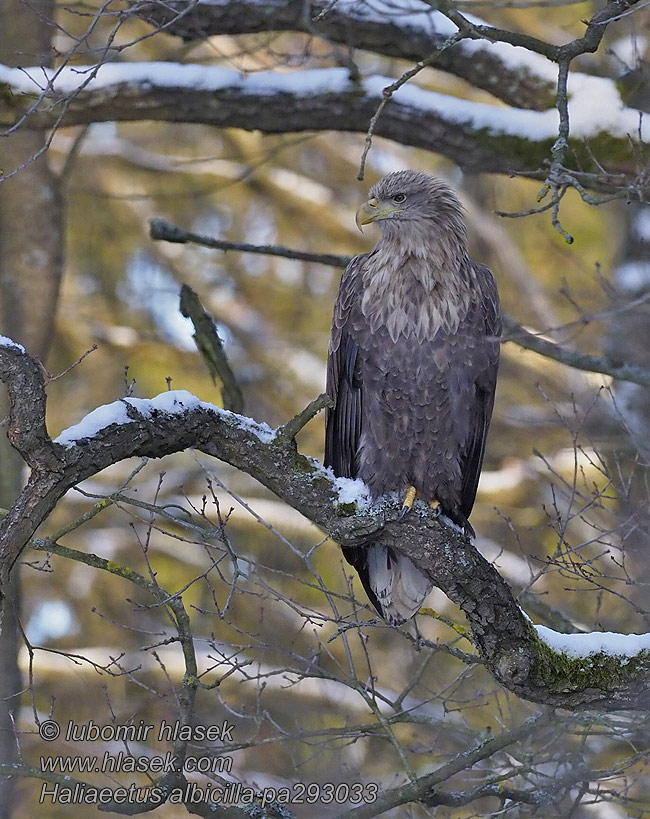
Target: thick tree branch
pixel 507 641
pixel 393 33
pixel 27 433
pixel 476 136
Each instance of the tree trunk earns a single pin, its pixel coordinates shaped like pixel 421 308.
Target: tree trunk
pixel 30 272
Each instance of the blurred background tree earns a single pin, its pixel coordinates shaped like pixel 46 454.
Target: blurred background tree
pixel 248 122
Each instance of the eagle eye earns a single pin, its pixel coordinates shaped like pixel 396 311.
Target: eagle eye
pixel 399 198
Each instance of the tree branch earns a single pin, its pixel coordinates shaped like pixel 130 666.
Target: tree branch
pixel 407 36
pixel 161 230
pixel 23 376
pixel 210 346
pixel 574 358
pixel 175 779
pixel 423 788
pixel 508 643
pixel 289 430
pixel 477 136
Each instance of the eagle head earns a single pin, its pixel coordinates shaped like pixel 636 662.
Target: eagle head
pixel 410 196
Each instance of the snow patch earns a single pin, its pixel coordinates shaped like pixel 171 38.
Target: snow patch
pixel 95 421
pixel 595 106
pixel 264 432
pixel 172 402
pixel 353 490
pixel 595 642
pixel 413 15
pixel 68 79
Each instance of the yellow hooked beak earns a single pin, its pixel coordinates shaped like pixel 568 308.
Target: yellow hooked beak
pixel 374 211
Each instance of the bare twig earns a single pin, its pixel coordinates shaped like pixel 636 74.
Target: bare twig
pixel 389 90
pixel 289 430
pixel 424 787
pixel 159 229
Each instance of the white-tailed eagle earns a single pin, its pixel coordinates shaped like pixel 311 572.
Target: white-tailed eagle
pixel 412 370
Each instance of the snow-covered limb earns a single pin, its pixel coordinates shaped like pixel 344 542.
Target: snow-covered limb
pixel 352 491
pixel 129 410
pixel 8 342
pixel 595 642
pixel 607 674
pixel 408 30
pixel 476 135
pixel 23 377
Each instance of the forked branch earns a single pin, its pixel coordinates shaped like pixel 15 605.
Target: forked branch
pixel 507 641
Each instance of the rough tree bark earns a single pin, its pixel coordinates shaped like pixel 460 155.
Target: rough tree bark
pixel 507 641
pixel 476 138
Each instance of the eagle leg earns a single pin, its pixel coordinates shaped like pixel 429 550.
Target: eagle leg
pixel 409 498
pixel 435 506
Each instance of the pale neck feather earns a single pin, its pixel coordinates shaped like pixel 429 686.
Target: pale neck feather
pixel 417 280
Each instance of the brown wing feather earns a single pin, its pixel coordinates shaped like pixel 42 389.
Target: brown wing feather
pixel 485 362
pixel 432 399
pixel 343 420
pixel 344 383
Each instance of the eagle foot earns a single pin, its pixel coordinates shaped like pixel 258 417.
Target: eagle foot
pixel 409 498
pixel 435 506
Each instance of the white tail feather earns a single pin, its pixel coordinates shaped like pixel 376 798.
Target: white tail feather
pixel 399 585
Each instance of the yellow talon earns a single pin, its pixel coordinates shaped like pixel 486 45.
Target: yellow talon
pixel 408 500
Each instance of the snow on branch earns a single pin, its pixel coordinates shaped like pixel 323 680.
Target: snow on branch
pixel 609 672
pixel 595 642
pixel 409 30
pixel 477 136
pixel 128 410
